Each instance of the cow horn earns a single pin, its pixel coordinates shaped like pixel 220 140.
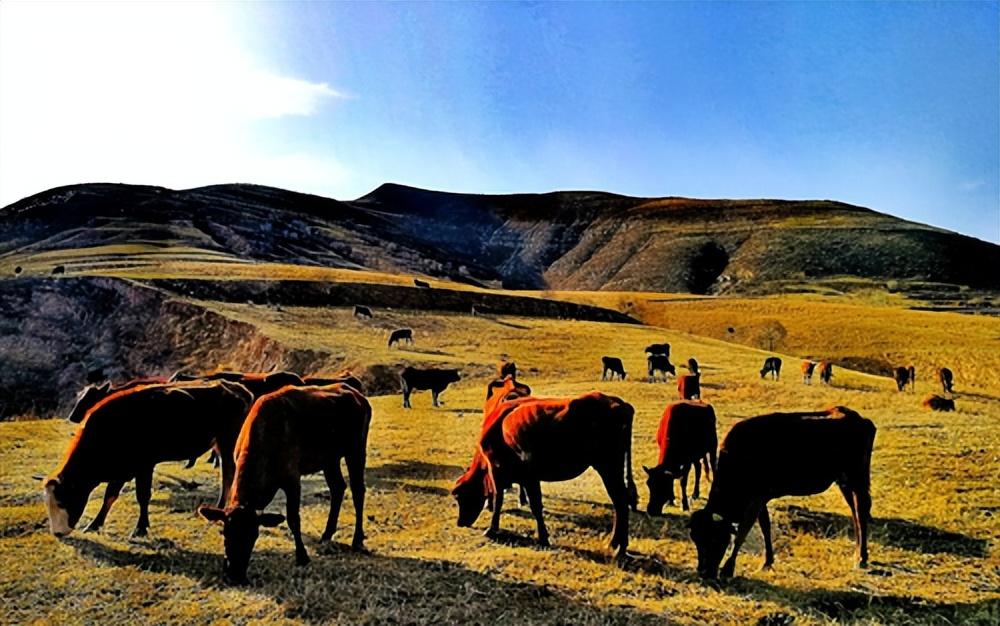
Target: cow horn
pixel 716 517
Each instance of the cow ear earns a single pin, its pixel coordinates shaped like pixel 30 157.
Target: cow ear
pixel 211 513
pixel 270 520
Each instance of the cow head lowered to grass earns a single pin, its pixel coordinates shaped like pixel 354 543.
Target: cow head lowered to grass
pixel 240 529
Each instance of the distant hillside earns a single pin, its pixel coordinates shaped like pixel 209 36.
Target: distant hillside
pixel 564 240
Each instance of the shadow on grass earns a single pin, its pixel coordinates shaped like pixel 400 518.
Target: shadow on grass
pixel 500 322
pixel 425 351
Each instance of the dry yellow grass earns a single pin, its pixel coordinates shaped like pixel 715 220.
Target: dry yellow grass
pixel 934 540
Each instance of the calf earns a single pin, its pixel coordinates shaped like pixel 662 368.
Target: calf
pixel 421 283
pixel 658 348
pixel 613 365
pixel 902 377
pixel 437 380
pixel 783 454
pixel 685 437
pixel 825 372
pixel 289 433
pixel 807 371
pixel 126 434
pixel 362 311
pixel 935 402
pixel 689 386
pixel 772 366
pixel 527 440
pixel 402 334
pixel 659 363
pixel 946 379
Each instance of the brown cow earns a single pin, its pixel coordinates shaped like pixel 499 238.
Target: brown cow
pixel 825 372
pixel 935 402
pixel 685 437
pixel 527 440
pixel 295 431
pixel 114 445
pixel 783 454
pixel 689 386
pixel 946 379
pixel 807 371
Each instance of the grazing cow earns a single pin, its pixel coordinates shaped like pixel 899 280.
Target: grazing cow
pixel 658 348
pixel 902 377
pixel 507 368
pixel 126 434
pixel 689 386
pixel 685 437
pixel 935 402
pixel 345 378
pixel 659 363
pixel 437 380
pixel 295 431
pixel 692 366
pixel 402 334
pixel 825 372
pixel 362 311
pixel 527 440
pixel 90 395
pixel 614 365
pixel 783 454
pixel 807 371
pixel 772 366
pixel 422 284
pixel 946 379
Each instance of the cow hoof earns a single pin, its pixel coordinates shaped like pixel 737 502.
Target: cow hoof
pixel 302 559
pixel 862 564
pixel 491 533
pixel 360 547
pixel 543 542
pixel 727 572
pixel 325 537
pixel 766 567
pixel 139 533
pixel 92 528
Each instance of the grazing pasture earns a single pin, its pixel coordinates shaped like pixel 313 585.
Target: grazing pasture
pixel 934 538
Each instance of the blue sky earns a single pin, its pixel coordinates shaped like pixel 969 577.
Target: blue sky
pixel 893 106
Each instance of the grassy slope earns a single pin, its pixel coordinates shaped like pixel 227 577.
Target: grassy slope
pixel 935 554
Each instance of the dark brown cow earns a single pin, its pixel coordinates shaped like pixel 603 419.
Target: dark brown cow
pixel 125 435
pixel 902 377
pixel 362 311
pixel 772 366
pixel 825 372
pixel 946 379
pixel 613 365
pixel 686 436
pixel 399 335
pixel 436 380
pixel 507 368
pixel 935 402
pixel 421 283
pixel 295 431
pixel 689 386
pixel 807 371
pixel 527 440
pixel 90 395
pixel 659 363
pixel 783 454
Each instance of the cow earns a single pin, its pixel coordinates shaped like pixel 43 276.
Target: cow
pixel 935 402
pixel 658 348
pixel 18 269
pixel 613 365
pixel 692 366
pixel 345 378
pixel 783 454
pixel 902 377
pixel 507 368
pixel 526 440
pixel 402 334
pixel 90 395
pixel 772 366
pixel 437 380
pixel 946 379
pixel 362 311
pixel 689 386
pixel 825 372
pixel 659 363
pixel 59 269
pixel 295 431
pixel 421 283
pixel 807 371
pixel 686 436
pixel 126 434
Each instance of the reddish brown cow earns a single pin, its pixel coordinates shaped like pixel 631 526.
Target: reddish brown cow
pixel 527 440
pixel 125 435
pixel 783 454
pixel 825 372
pixel 685 437
pixel 689 386
pixel 807 371
pixel 295 431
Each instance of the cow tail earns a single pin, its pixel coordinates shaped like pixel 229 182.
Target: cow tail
pixel 633 492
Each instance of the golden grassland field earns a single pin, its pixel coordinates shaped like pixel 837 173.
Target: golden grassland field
pixel 935 537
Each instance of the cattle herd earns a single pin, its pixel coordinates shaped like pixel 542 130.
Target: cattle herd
pixel 267 430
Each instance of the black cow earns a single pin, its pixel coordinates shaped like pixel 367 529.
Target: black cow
pixel 614 365
pixel 659 363
pixel 59 269
pixel 422 284
pixel 437 380
pixel 658 348
pixel 403 334
pixel 362 311
pixel 772 366
pixel 902 377
pixel 946 379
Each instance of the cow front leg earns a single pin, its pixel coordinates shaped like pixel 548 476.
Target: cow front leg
pixel 228 471
pixel 356 471
pixel 750 515
pixel 335 481
pixel 863 511
pixel 143 492
pixel 697 479
pixel 494 530
pixel 293 496
pixel 533 489
pixel 110 495
pixel 765 528
pixel 685 470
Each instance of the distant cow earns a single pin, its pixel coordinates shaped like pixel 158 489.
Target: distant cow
pixel 18 269
pixel 126 434
pixel 658 348
pixel 807 371
pixel 287 434
pixel 946 379
pixel 59 269
pixel 437 380
pixel 362 311
pixel 689 386
pixel 507 368
pixel 825 372
pixel 402 334
pixel 783 454
pixel 692 366
pixel 422 284
pixel 935 402
pixel 613 365
pixel 902 377
pixel 527 440
pixel 772 366
pixel 659 363
pixel 341 379
pixel 686 436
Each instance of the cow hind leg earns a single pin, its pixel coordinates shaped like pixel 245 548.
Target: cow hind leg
pixel 860 503
pixel 335 481
pixel 534 493
pixel 356 473
pixel 697 480
pixel 293 497
pixel 110 495
pixel 685 470
pixel 765 528
pixel 143 491
pixel 494 529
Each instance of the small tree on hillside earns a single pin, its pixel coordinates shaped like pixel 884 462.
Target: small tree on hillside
pixel 770 334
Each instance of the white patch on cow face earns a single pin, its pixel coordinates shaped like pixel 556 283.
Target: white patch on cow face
pixel 58 517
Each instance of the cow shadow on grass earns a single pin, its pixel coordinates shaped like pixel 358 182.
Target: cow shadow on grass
pixel 895 532
pixel 601 517
pixel 425 351
pixel 396 475
pixel 500 322
pixel 341 585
